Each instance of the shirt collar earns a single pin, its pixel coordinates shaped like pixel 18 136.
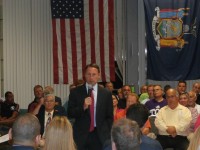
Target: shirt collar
pixel 94 87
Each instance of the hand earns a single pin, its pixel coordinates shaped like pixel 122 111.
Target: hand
pixel 171 130
pixel 41 101
pixel 87 103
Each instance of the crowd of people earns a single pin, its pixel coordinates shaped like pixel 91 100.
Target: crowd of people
pixel 98 118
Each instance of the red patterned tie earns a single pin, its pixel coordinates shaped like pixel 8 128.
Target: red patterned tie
pixel 92 112
pixel 49 119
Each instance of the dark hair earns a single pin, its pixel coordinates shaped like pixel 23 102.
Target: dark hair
pixel 182 81
pixel 7 93
pixel 92 65
pixel 37 86
pixel 166 87
pixel 138 113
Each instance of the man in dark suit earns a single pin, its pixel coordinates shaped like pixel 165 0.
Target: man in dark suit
pixel 91 129
pixel 26 132
pixel 48 111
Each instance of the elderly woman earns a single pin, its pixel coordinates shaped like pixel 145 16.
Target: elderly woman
pixel 183 100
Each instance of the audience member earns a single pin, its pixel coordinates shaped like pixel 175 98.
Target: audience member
pixel 125 135
pixel 166 87
pixel 50 90
pixel 126 89
pixel 195 141
pixel 48 111
pixel 154 105
pixel 115 107
pixel 196 89
pixel 92 108
pixel 80 82
pixel 26 132
pixel 192 101
pixel 143 89
pixel 9 110
pixel 181 87
pixel 183 100
pixel 119 93
pixel 72 86
pixel 139 113
pixel 38 101
pixel 172 122
pixel 150 91
pixel 144 97
pixel 59 135
pixel 132 98
pixel 150 94
pixel 109 86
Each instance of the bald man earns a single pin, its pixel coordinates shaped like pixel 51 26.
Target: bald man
pixel 172 122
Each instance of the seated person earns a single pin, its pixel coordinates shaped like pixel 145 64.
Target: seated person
pixel 50 90
pixel 132 98
pixel 48 111
pixel 61 128
pixel 139 113
pixel 38 101
pixel 115 107
pixel 9 110
pixel 172 122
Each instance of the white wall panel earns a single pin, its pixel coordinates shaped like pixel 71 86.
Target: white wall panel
pixel 28 49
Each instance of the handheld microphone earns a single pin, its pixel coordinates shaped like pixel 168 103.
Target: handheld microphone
pixel 89 90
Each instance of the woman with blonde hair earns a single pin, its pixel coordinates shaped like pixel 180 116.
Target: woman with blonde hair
pixel 59 135
pixel 195 141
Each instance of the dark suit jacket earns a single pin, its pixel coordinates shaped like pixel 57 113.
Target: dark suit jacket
pixel 20 147
pixel 58 111
pixel 104 114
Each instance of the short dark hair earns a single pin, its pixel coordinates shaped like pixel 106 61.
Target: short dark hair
pixel 182 81
pixel 139 113
pixel 7 93
pixel 126 134
pixel 92 65
pixel 25 128
pixel 37 86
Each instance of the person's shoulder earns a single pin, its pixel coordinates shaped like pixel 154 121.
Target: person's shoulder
pixel 149 143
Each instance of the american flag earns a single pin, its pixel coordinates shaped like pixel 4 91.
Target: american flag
pixel 83 33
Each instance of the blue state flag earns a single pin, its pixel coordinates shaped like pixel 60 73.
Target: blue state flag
pixel 173 39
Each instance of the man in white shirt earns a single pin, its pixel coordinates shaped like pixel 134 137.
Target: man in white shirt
pixel 172 122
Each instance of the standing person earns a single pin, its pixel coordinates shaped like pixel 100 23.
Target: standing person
pixel 26 132
pixel 92 108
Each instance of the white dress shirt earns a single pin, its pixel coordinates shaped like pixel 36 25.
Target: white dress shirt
pixel 180 117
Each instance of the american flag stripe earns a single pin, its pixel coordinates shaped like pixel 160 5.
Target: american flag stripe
pixel 77 42
pixel 111 38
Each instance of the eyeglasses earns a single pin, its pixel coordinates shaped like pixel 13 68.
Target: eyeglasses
pixel 50 101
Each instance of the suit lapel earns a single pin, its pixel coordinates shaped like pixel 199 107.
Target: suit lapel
pixel 99 100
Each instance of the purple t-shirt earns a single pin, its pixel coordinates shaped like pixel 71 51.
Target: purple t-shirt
pixel 155 106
